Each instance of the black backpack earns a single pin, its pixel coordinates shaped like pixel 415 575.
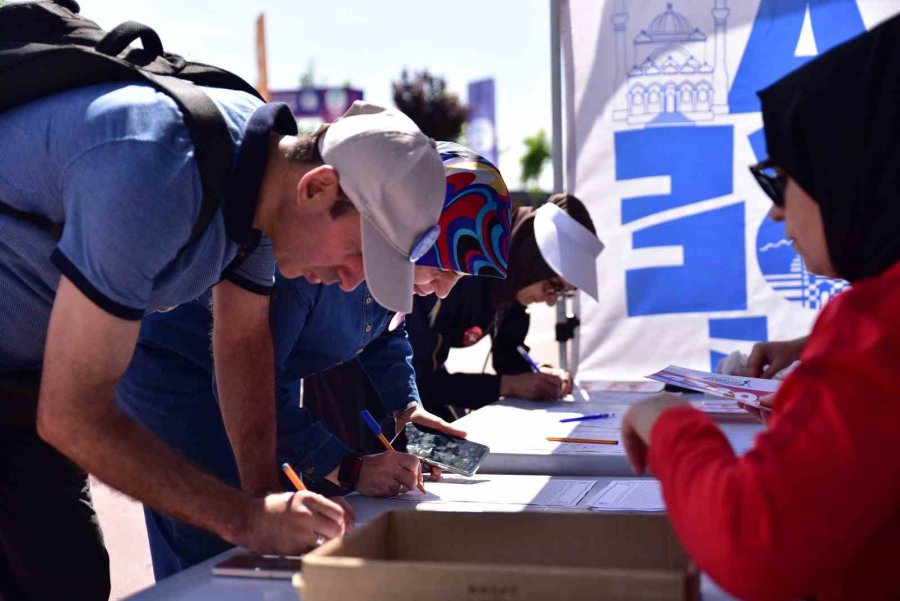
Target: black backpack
pixel 47 47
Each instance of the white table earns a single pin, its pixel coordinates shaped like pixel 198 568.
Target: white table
pixel 515 429
pixel 198 583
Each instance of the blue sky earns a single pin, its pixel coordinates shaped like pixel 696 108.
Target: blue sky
pixel 368 43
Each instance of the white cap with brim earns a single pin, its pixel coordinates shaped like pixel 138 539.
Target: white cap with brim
pixel 569 248
pixel 394 176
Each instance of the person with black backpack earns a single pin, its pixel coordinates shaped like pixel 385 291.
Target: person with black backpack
pixel 130 182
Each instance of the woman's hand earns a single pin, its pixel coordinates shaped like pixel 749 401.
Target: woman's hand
pixel 565 378
pixel 762 414
pixel 638 424
pixel 768 358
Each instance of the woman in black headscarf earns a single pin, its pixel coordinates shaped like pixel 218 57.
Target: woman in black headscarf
pixel 479 307
pixel 813 510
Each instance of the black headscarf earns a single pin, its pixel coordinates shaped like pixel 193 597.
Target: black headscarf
pixel 834 126
pixel 526 264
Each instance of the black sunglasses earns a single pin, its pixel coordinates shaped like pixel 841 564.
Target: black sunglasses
pixel 770 180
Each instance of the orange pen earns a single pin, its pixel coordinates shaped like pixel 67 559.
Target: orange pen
pixel 292 476
pixel 582 440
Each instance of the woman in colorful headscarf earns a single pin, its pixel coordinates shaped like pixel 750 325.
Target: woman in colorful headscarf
pixel 552 252
pixel 812 509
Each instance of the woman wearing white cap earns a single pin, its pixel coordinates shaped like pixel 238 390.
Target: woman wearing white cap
pixel 552 252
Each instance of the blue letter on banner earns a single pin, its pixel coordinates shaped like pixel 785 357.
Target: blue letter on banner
pixel 699 162
pixel 714 274
pixel 773 40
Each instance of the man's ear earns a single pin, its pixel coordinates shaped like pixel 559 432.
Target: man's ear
pixel 318 184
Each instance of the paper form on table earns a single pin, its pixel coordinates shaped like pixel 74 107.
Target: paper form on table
pixel 504 489
pixel 629 495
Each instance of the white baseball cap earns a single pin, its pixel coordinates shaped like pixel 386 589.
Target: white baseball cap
pixel 569 248
pixel 393 175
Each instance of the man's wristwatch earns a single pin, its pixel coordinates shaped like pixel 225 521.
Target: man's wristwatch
pixel 349 469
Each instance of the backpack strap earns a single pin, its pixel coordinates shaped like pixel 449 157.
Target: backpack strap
pixel 212 144
pixel 212 152
pixel 69 51
pixel 209 132
pixel 122 35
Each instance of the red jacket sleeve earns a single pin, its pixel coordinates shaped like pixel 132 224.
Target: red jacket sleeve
pixel 783 520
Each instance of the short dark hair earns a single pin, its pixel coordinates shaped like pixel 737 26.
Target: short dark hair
pixel 305 149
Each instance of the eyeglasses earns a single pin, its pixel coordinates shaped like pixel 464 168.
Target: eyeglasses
pixel 558 288
pixel 770 180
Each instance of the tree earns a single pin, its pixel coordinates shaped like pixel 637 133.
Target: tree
pixel 537 152
pixel 308 78
pixel 425 99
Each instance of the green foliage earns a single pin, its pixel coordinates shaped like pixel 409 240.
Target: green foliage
pixel 425 99
pixel 308 78
pixel 537 152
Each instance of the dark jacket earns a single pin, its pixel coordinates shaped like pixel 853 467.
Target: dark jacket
pixel 437 325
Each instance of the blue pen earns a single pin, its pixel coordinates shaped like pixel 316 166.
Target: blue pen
pixel 528 359
pixel 586 417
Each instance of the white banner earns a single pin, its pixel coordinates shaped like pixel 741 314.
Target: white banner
pixel 662 121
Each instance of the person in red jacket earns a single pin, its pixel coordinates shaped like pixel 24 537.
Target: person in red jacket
pixel 813 509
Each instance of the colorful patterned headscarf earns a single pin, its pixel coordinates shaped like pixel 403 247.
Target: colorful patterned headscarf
pixel 475 220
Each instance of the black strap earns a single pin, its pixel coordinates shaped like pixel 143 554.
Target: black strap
pixel 209 132
pixel 212 151
pixel 120 37
pixel 212 143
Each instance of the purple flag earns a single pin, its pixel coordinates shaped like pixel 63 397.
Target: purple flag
pixel 481 131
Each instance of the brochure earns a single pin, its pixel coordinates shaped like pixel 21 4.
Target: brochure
pixel 737 388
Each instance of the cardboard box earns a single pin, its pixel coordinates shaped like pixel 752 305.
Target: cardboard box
pixel 414 556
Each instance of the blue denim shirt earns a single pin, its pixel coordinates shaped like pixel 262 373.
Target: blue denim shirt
pixel 170 380
pixel 316 327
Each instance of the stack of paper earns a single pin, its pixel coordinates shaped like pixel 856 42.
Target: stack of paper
pixel 629 495
pixel 503 490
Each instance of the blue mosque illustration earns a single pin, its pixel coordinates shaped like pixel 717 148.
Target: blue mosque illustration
pixel 666 84
pixel 786 273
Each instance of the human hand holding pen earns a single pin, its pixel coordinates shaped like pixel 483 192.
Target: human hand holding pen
pixel 544 383
pixel 373 425
pixel 349 515
pixel 532 386
pixel 388 474
pixel 290 523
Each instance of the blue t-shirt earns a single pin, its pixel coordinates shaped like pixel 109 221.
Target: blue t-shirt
pixel 115 164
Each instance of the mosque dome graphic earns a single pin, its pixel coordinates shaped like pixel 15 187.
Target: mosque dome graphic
pixel 672 73
pixel 786 272
pixel 671 23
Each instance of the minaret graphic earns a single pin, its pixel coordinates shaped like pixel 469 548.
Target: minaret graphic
pixel 619 19
pixel 720 75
